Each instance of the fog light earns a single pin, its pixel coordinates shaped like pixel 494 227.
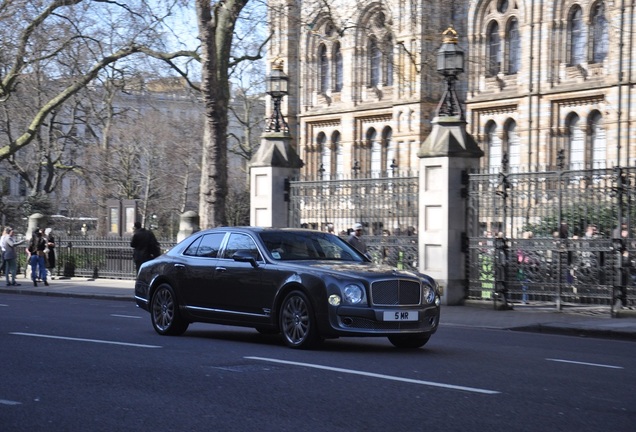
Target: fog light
pixel 334 300
pixel 437 300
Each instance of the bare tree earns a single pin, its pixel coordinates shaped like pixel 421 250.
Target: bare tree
pixel 154 150
pixel 217 22
pixel 74 43
pixel 49 36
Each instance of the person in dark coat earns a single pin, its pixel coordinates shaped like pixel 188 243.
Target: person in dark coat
pixel 145 245
pixel 50 250
pixel 35 252
pixel 355 239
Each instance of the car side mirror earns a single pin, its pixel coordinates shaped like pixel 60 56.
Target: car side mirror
pixel 245 256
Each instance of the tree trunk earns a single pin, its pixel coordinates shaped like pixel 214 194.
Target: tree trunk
pixel 216 21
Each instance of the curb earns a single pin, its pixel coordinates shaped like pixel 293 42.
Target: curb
pixel 67 294
pixel 568 330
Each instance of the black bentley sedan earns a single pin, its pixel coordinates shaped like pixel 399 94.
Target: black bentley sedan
pixel 307 285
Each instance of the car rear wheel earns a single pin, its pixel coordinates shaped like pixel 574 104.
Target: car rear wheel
pixel 297 321
pixel 409 341
pixel 164 312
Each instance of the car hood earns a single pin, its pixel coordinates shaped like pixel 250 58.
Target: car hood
pixel 361 270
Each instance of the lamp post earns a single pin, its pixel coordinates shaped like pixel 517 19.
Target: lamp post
pixel 448 152
pixel 277 87
pixel 450 63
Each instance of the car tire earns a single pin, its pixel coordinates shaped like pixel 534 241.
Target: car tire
pixel 297 321
pixel 164 312
pixel 409 341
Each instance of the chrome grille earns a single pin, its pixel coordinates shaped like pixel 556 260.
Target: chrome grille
pixel 396 292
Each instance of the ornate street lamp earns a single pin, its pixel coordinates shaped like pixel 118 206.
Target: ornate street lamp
pixel 277 87
pixel 450 63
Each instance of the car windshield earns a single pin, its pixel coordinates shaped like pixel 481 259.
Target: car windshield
pixel 294 246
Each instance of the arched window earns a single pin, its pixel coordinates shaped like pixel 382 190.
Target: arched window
pixel 375 148
pixel 339 159
pixel 388 67
pixel 513 146
pixel 597 140
pixel 599 33
pixel 576 142
pixel 325 155
pixel 337 63
pixel 494 50
pixel 375 63
pixel 576 37
pixel 493 144
pixel 388 147
pixel 513 47
pixel 324 69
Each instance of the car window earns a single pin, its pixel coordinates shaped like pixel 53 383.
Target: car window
pixel 241 242
pixel 293 246
pixel 206 246
pixel 192 249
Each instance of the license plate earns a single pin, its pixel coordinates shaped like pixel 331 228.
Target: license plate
pixel 400 316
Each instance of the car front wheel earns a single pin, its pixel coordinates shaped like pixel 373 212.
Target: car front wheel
pixel 297 321
pixel 164 312
pixel 409 341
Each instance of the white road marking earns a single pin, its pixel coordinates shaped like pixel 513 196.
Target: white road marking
pixel 585 364
pixel 85 340
pixel 381 376
pixel 4 305
pixel 125 316
pixel 8 402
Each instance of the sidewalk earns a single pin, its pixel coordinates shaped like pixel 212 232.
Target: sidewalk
pixel 592 321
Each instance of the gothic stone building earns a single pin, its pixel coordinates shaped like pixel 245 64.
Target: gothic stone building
pixel 545 81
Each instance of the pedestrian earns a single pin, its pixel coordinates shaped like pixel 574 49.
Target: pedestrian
pixel 145 245
pixel 590 231
pixel 501 265
pixel 355 239
pixel 36 254
pixel 2 265
pixel 50 250
pixel 10 255
pixel 523 269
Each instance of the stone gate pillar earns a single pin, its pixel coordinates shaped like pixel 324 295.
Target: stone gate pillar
pixel 274 162
pixel 188 224
pixel 36 220
pixel 446 152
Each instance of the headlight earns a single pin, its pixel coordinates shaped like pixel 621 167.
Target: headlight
pixel 429 293
pixel 353 294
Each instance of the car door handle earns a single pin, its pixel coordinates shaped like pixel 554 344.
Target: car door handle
pixel 179 266
pixel 221 269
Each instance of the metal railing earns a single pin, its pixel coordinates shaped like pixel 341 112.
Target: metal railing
pixel 95 257
pixel 560 236
pixel 386 204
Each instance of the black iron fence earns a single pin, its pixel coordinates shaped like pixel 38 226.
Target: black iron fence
pixel 564 237
pixel 95 257
pixel 559 236
pixel 386 205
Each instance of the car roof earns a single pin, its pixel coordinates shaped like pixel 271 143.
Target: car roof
pixel 255 229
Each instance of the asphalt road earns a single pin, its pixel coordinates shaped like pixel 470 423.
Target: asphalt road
pixel 69 364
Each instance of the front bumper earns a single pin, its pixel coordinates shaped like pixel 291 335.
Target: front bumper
pixel 356 321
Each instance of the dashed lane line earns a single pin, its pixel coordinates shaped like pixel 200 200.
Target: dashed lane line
pixel 381 376
pixel 85 340
pixel 585 363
